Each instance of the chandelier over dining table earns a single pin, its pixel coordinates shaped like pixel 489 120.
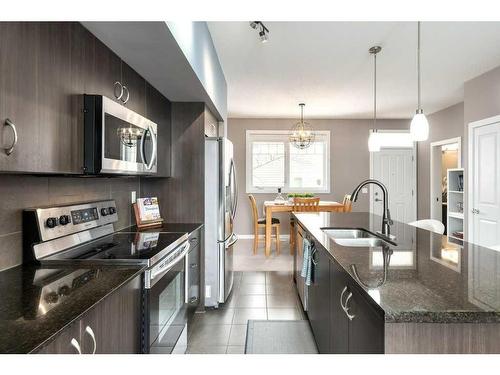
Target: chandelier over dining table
pixel 302 134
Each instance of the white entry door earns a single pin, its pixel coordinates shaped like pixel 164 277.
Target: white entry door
pixel 395 168
pixel 485 189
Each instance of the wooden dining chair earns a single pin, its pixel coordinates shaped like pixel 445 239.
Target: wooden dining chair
pixel 347 202
pixel 301 205
pixel 259 223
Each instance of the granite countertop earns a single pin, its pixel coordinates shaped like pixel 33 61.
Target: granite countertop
pixel 430 277
pixel 169 227
pixel 31 313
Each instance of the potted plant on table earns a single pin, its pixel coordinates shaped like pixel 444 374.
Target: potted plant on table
pixel 291 196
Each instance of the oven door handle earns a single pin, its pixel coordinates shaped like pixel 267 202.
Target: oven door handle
pixel 153 277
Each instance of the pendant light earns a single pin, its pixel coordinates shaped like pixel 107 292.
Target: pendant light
pixel 302 134
pixel 419 128
pixel 373 139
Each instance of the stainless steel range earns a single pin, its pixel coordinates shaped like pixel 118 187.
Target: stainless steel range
pixel 84 234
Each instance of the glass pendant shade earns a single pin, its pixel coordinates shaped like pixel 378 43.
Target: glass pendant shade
pixel 419 128
pixel 373 142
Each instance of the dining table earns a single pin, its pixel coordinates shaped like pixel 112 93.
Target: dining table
pixel 287 206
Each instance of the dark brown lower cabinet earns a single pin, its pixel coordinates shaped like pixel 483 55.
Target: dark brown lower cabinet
pixel 318 300
pixel 357 326
pixel 366 329
pixel 111 327
pixel 342 317
pixel 339 323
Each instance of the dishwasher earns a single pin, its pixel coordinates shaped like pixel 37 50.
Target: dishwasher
pixel 298 262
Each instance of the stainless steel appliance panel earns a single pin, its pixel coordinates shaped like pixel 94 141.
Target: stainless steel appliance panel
pixel 117 139
pixel 220 210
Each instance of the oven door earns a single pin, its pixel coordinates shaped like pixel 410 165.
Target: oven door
pixel 129 141
pixel 166 311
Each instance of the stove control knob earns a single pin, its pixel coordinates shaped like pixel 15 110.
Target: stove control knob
pixel 64 219
pixel 111 210
pixel 104 211
pixel 51 222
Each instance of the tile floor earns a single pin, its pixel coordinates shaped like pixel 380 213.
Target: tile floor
pixel 267 295
pixel 245 260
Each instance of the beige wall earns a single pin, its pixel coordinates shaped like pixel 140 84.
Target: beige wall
pixel 444 124
pixel 349 161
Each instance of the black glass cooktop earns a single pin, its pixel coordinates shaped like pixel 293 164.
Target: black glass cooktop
pixel 137 248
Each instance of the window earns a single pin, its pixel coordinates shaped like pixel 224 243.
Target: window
pixel 273 162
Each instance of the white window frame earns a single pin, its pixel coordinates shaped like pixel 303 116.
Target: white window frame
pixel 280 135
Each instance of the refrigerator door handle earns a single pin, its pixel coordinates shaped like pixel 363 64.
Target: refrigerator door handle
pixel 234 196
pixel 234 239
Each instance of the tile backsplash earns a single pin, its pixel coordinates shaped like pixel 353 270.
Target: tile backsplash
pixel 19 191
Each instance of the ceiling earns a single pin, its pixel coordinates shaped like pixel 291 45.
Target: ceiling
pixel 327 65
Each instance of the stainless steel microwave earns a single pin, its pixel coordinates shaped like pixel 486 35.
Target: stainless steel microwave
pixel 117 139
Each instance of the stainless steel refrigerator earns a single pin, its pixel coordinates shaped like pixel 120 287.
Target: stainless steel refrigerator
pixel 221 200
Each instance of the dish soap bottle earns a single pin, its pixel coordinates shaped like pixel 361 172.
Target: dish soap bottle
pixel 279 198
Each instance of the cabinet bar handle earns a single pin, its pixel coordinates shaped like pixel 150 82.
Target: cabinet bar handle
pixel 125 88
pixel 91 333
pixel 350 316
pixel 8 150
pixel 118 84
pixel 342 298
pixel 76 345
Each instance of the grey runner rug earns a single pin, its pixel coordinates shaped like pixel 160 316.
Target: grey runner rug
pixel 279 337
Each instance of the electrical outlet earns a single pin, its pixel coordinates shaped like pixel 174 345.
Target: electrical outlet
pixel 208 291
pixel 133 196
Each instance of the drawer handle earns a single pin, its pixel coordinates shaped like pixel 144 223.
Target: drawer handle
pixel 194 239
pixel 8 150
pixel 346 309
pixel 91 334
pixel 76 345
pixel 125 89
pixel 118 96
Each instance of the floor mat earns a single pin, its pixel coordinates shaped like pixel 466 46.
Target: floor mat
pixel 279 337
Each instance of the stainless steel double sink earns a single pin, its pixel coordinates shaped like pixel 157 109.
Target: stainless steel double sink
pixel 356 237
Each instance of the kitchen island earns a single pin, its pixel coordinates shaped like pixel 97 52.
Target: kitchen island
pixel 423 293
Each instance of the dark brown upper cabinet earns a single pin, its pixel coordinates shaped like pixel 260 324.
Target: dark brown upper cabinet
pixel 18 95
pixel 45 68
pixel 158 110
pixel 134 90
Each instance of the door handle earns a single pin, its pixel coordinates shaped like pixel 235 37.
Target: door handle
pixel 378 200
pixel 92 335
pixel 76 345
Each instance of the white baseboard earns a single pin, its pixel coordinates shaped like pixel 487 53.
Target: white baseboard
pixel 283 237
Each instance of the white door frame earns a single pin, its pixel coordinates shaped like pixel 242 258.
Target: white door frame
pixel 436 144
pixel 414 154
pixel 468 234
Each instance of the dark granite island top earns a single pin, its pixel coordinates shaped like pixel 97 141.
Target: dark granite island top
pixel 429 279
pixel 30 315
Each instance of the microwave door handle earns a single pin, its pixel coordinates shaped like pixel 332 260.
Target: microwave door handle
pixel 143 141
pixel 155 149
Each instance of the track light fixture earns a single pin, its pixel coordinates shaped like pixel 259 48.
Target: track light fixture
pixel 263 30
